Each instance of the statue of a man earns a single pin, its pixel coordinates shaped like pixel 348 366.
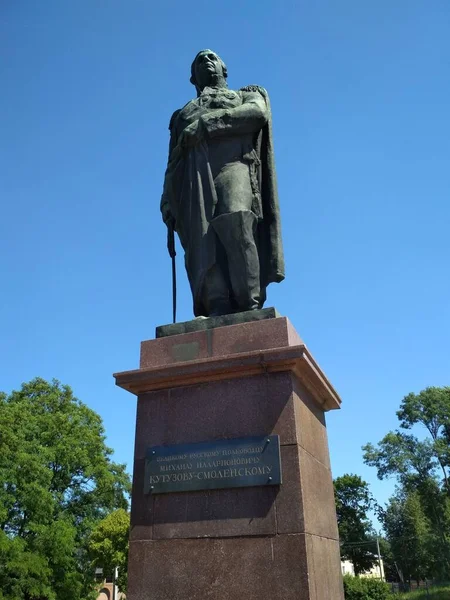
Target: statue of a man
pixel 220 192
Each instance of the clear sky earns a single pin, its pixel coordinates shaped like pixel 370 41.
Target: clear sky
pixel 360 97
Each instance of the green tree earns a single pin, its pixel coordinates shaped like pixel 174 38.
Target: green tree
pixel 431 409
pixel 407 457
pixel 421 466
pixel 108 545
pixel 409 534
pixel 57 481
pixel 389 565
pixel 356 534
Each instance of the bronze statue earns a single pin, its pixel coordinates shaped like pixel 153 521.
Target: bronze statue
pixel 220 192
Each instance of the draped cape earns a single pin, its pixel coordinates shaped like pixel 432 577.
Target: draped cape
pixel 191 196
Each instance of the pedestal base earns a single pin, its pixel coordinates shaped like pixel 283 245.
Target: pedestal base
pixel 243 380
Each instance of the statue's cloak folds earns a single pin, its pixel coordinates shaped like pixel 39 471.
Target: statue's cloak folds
pixel 190 193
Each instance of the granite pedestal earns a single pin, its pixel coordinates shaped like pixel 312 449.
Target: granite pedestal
pixel 279 542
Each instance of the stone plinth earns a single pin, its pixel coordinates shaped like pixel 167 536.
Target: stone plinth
pixel 250 379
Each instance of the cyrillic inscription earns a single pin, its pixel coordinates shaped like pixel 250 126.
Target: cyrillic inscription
pixel 222 464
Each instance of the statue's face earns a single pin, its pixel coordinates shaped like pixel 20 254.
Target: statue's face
pixel 208 67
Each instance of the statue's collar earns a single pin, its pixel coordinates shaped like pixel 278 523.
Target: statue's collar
pixel 214 91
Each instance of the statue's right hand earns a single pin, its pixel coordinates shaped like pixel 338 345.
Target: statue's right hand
pixel 167 216
pixel 170 222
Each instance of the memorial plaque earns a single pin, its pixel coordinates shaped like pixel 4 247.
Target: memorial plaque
pixel 242 462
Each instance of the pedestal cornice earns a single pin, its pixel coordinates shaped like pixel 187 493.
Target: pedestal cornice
pixel 296 359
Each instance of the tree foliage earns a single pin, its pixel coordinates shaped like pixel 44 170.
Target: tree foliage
pixel 408 531
pixel 108 545
pixel 356 534
pixel 431 409
pixel 57 480
pixel 417 518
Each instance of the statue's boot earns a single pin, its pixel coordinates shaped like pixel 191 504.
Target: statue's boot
pixel 236 231
pixel 216 293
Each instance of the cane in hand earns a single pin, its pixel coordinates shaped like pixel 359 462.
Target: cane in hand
pixel 172 254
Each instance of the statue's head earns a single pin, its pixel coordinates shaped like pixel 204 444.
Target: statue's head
pixel 207 69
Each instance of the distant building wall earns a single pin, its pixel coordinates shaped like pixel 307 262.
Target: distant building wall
pixel 106 587
pixel 106 592
pixel 375 571
pixel 348 569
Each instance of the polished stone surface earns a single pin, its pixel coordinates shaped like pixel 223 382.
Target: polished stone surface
pixel 227 544
pixel 222 569
pixel 227 353
pixel 240 407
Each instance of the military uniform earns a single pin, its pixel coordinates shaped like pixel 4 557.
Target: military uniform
pixel 214 189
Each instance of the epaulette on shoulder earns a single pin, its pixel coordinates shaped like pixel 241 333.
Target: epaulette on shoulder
pixel 173 117
pixel 254 88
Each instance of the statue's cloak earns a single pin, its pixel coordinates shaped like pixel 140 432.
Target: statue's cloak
pixel 190 193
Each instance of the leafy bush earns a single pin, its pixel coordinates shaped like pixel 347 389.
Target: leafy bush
pixel 359 588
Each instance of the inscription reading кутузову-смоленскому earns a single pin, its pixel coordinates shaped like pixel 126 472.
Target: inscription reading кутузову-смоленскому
pixel 242 462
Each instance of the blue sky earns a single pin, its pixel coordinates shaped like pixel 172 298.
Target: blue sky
pixel 360 97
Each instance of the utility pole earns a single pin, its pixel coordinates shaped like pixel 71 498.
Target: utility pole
pixel 114 584
pixel 379 559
